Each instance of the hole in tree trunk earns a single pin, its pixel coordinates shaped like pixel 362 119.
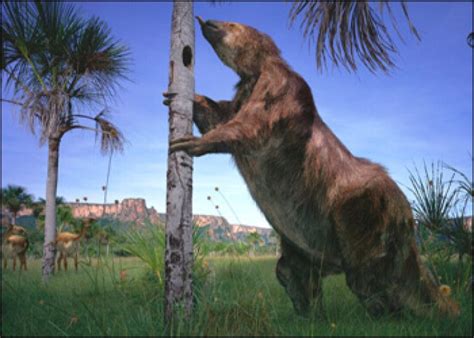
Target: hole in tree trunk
pixel 187 56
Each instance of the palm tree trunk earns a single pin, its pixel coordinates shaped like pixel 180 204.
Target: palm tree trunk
pixel 179 246
pixel 49 249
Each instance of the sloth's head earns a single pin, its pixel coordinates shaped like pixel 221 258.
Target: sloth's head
pixel 242 48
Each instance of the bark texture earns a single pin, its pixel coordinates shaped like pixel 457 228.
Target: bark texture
pixel 49 249
pixel 179 246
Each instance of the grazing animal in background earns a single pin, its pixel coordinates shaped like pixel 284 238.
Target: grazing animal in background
pixel 333 211
pixel 68 244
pixel 15 244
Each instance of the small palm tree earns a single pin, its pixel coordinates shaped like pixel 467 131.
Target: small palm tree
pixel 14 198
pixel 59 65
pixel 254 239
pixel 38 208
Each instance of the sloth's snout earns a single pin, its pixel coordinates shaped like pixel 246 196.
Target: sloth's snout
pixel 209 24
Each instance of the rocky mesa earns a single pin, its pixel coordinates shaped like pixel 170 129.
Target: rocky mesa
pixel 135 211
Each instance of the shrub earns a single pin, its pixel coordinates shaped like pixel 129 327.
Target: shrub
pixel 148 244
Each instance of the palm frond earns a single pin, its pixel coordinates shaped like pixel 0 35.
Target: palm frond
pixel 111 138
pixel 98 59
pixel 20 40
pixel 345 31
pixel 47 109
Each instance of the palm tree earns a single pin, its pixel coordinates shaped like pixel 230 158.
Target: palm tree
pixel 59 66
pixel 14 198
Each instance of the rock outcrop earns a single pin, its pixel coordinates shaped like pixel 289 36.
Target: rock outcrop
pixel 134 211
pixel 131 210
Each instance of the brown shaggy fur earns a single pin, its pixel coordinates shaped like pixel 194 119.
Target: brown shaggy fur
pixel 334 211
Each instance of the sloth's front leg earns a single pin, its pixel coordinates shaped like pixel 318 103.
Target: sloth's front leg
pixel 207 114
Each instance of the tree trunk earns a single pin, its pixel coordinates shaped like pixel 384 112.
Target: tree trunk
pixel 179 246
pixel 107 183
pixel 49 249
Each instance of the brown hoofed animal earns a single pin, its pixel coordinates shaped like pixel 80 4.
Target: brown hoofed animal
pixel 67 243
pixel 334 211
pixel 15 244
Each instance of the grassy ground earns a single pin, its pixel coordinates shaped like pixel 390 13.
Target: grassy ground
pixel 241 297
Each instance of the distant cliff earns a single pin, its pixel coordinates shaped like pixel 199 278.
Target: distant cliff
pixel 135 211
pixel 130 210
pixel 220 230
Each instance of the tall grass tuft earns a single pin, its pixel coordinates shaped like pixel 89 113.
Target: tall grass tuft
pixel 434 197
pixel 440 208
pixel 148 244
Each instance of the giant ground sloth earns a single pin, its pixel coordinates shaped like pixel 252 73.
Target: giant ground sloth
pixel 334 211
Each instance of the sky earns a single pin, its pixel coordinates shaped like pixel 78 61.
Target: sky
pixel 421 111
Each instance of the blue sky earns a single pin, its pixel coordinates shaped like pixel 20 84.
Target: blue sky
pixel 421 111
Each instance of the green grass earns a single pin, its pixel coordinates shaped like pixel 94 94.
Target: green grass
pixel 241 297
